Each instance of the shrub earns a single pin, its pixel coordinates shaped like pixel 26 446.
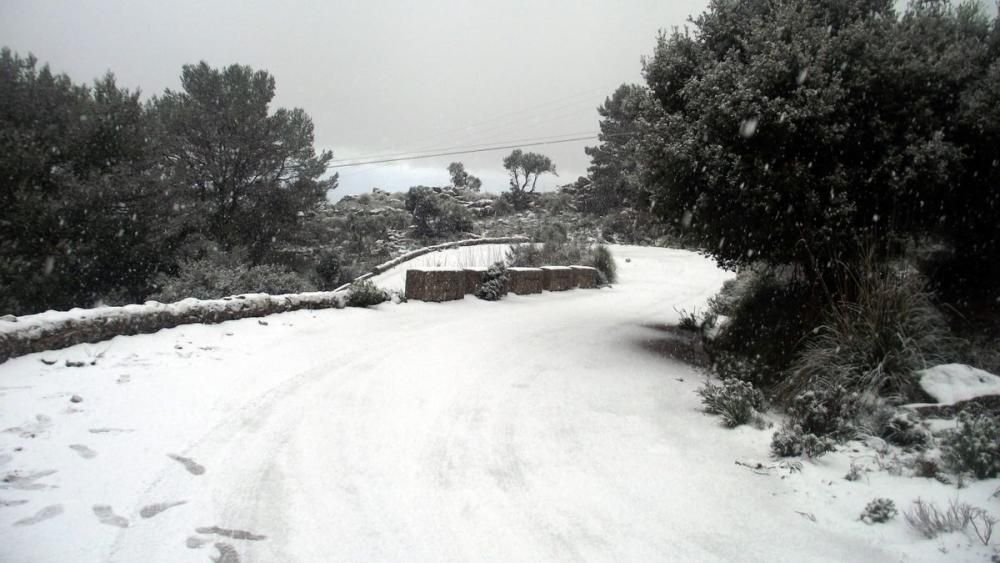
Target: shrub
pixel 365 293
pixel 879 511
pixel 737 402
pixel 876 337
pixel 436 215
pixel 328 270
pixel 602 259
pixel 210 278
pixel 769 313
pixel 502 206
pixel 827 411
pixel 494 287
pixel 791 441
pixel 929 521
pixel 975 446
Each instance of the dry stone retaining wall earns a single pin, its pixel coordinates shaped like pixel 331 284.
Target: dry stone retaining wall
pixel 586 276
pixel 525 280
pixel 53 330
pixel 435 284
pixel 558 278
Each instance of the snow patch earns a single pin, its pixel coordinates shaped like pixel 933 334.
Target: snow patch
pixel 952 383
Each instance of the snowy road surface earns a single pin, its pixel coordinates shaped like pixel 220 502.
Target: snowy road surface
pixel 544 427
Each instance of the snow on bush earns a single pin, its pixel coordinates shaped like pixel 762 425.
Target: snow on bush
pixel 879 511
pixel 825 411
pixel 365 293
pixel 974 446
pixel 494 287
pixel 791 441
pixel 951 383
pixel 737 402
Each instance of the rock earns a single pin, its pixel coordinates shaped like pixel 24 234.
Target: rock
pixel 8 318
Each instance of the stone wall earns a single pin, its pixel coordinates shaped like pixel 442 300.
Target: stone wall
pixel 558 278
pixel 435 284
pixel 525 280
pixel 586 276
pixel 53 330
pixel 474 277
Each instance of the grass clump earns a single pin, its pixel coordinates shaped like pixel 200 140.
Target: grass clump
pixel 881 330
pixel 929 521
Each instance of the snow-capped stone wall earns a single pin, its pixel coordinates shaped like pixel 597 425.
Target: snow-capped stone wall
pixel 60 329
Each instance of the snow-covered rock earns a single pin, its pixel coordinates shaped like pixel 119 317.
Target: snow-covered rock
pixel 951 383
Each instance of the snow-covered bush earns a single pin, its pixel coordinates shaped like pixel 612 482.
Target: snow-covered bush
pixel 212 279
pixel 974 446
pixel 879 511
pixel 791 441
pixel 365 293
pixel 494 287
pixel 737 402
pixel 825 411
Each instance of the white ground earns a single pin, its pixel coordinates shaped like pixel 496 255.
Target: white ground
pixel 543 427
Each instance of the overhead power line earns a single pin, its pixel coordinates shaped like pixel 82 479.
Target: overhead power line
pixel 465 151
pixel 455 147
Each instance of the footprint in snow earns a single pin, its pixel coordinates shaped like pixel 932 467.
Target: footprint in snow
pixel 108 516
pixel 110 430
pixel 235 534
pixel 5 459
pixel 84 451
pixel 9 503
pixel 32 429
pixel 188 463
pixel 194 542
pixel 40 516
pixel 227 554
pixel 25 481
pixel 151 510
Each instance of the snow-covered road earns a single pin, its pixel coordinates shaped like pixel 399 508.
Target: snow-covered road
pixel 544 427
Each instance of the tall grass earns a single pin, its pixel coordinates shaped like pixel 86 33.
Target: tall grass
pixel 881 328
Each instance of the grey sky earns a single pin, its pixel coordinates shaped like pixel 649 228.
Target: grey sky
pixel 377 77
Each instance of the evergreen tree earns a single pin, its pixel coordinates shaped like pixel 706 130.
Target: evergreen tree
pixel 249 172
pixel 786 131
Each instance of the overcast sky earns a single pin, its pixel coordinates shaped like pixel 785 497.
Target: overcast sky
pixel 377 77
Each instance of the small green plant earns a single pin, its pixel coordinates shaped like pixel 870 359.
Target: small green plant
pixel 974 446
pixel 365 293
pixel 879 511
pixel 737 402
